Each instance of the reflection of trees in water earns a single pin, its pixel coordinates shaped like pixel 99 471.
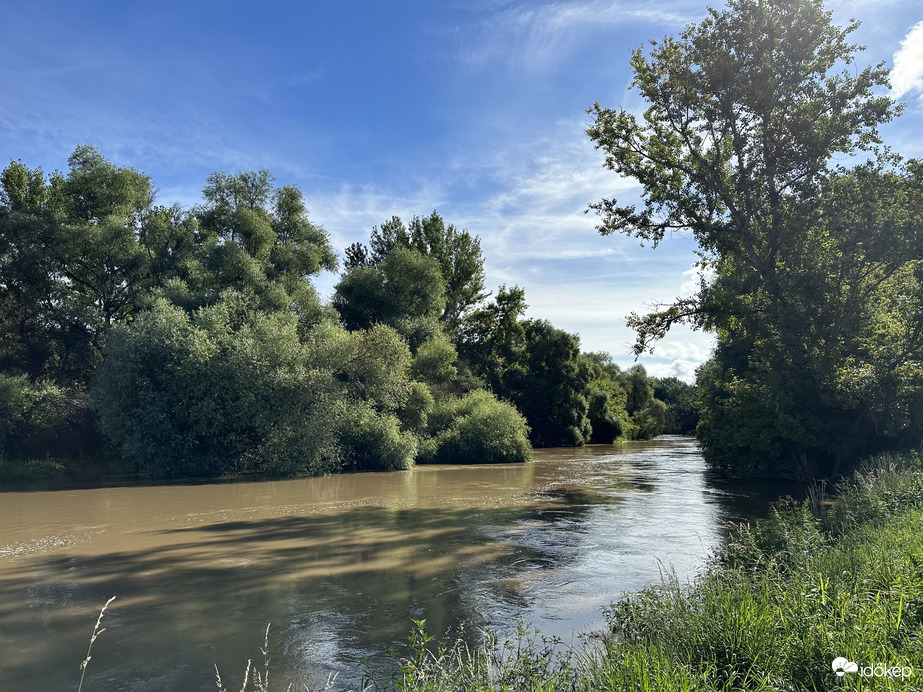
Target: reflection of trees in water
pixel 470 575
pixel 747 501
pixel 341 584
pixel 337 587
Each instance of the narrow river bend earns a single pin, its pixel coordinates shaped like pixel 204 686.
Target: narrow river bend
pixel 339 565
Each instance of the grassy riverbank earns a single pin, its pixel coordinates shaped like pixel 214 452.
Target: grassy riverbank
pixel 787 596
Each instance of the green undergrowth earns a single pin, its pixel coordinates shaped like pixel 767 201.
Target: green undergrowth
pixel 30 470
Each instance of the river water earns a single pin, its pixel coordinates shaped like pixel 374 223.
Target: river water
pixel 340 565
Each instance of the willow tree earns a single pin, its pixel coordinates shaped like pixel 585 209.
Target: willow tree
pixel 746 112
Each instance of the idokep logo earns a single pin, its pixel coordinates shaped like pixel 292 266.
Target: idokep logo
pixel 841 666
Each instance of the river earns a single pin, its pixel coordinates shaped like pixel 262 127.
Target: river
pixel 340 565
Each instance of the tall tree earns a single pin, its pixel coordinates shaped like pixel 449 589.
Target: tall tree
pixel 456 252
pixel 745 112
pixel 405 290
pixel 72 262
pixel 549 386
pixel 256 239
pixel 491 336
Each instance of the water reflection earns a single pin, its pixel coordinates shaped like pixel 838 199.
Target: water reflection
pixel 339 565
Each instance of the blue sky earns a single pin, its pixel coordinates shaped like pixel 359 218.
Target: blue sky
pixel 475 109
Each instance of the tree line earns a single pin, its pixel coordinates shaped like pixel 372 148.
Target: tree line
pixel 193 343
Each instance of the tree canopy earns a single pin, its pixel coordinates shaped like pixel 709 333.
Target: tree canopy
pixel 817 265
pixel 191 342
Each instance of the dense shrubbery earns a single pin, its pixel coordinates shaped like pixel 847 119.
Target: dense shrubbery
pixel 476 428
pixel 227 389
pixel 41 420
pixel 196 342
pixel 566 397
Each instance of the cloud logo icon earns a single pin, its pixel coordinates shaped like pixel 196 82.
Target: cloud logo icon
pixel 841 666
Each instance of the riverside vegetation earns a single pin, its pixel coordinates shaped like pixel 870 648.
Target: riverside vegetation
pixel 174 343
pixel 760 136
pixel 195 341
pixel 198 341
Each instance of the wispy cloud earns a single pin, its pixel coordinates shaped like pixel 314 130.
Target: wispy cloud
pixel 534 37
pixel 907 73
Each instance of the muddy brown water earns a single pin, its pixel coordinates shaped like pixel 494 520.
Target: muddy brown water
pixel 341 565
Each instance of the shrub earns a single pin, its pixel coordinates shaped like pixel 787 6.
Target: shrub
pixel 476 429
pixel 39 420
pixel 373 441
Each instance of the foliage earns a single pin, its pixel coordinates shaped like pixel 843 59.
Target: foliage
pixel 415 412
pixel 457 254
pixel 817 296
pixel 40 420
pixel 476 429
pixel 547 384
pixel 83 252
pixel 682 415
pixel 366 366
pixel 71 263
pixel 229 389
pixel 568 397
pixel 491 336
pixel 405 290
pixel 646 415
pixel 606 399
pixel 435 363
pixel 176 374
pixel 370 440
pixel 207 351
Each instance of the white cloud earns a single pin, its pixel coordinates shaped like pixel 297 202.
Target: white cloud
pixel 682 369
pixel 542 189
pixel 534 233
pixel 685 350
pixel 907 74
pixel 534 37
pixel 694 277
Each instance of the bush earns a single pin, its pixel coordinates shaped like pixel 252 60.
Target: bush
pixel 476 429
pixel 372 441
pixel 414 414
pixel 229 390
pixel 210 394
pixel 41 420
pixel 161 400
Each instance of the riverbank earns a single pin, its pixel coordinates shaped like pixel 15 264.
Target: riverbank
pixel 782 601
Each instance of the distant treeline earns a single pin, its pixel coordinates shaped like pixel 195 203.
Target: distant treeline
pixel 192 343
